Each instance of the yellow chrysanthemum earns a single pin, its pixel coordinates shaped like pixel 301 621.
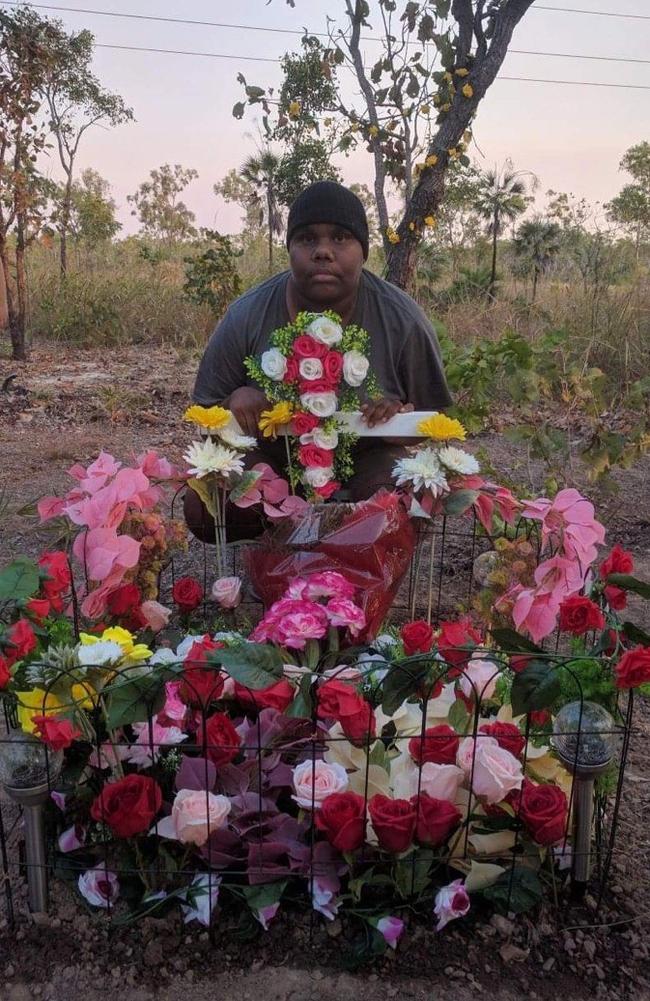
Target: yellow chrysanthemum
pixel 446 107
pixel 36 703
pixel 272 420
pixel 211 418
pixel 425 109
pixel 468 90
pixel 448 77
pixel 431 160
pixel 439 427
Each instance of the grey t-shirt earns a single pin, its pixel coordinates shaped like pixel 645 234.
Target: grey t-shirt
pixel 404 349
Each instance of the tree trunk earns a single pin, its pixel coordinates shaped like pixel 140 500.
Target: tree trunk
pixel 4 304
pixel 495 237
pixel 535 278
pixel 18 332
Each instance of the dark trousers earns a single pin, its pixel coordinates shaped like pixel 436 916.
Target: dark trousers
pixel 374 460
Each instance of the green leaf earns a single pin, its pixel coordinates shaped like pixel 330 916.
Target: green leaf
pixel 19 580
pixel 248 479
pixel 264 894
pixel 252 664
pixel 629 583
pixel 238 109
pixel 511 642
pixel 401 682
pixel 459 501
pixel 517 891
pixel 134 700
pixel 412 873
pixel 302 705
pixel 536 687
pixel 635 634
pixel 459 717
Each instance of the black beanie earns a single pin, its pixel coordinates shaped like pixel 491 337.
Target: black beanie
pixel 327 201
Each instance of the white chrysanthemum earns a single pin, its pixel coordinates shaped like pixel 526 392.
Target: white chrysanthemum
pixel 421 471
pixel 457 461
pixel 99 654
pixel 204 457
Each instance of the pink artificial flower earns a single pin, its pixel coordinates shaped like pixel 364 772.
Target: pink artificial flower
pixel 343 613
pixel 266 914
pixel 94 604
pixel 296 588
pixel 560 577
pixel 150 741
pixel 108 756
pixel 156 467
pixel 568 521
pixel 174 710
pixel 103 550
pixel 72 838
pixel 391 928
pixel 227 591
pixel 535 614
pixel 323 897
pixel 329 584
pixel 451 902
pixel 479 678
pixel 100 887
pixel 494 771
pixel 156 615
pixel 59 799
pixel 50 507
pixel 294 630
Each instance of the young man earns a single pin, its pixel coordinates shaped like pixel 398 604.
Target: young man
pixel 327 239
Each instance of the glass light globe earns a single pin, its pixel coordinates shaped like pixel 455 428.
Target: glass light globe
pixel 584 736
pixel 26 762
pixel 484 566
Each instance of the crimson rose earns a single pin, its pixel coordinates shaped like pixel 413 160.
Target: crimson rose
pixel 221 740
pixel 579 614
pixel 187 593
pixel 23 640
pixel 507 735
pixel 340 701
pixel 291 375
pixel 124 599
pixel 128 806
pixel 417 637
pixel 307 346
pixel 302 423
pixel 439 746
pixel 393 821
pixel 618 561
pixel 633 669
pixel 436 819
pixel 342 818
pixel 204 682
pixel 56 733
pixel 455 634
pixel 278 696
pixel 5 673
pixel 333 366
pixel 312 456
pixel 615 597
pixel 543 809
pixel 38 608
pixel 57 568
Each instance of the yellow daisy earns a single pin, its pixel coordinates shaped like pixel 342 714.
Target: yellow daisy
pixel 439 427
pixel 272 420
pixel 211 418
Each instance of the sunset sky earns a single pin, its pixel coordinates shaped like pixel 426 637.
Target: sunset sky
pixel 572 137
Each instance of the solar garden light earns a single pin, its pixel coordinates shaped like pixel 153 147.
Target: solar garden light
pixel 584 738
pixel 27 769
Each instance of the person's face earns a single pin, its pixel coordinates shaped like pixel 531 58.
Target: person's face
pixel 326 263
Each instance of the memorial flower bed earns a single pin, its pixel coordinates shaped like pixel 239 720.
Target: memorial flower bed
pixel 322 760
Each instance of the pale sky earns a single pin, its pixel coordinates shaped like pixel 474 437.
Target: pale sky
pixel 572 137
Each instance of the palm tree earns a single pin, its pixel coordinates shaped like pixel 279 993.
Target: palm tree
pixel 502 197
pixel 261 170
pixel 536 244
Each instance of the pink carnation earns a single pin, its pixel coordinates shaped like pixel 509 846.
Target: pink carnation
pixel 344 613
pixel 329 584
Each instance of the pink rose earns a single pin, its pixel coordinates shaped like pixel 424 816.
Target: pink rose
pixel 195 814
pixel 314 781
pixel 496 772
pixel 345 614
pixel 452 902
pixel 440 781
pixel 227 591
pixel 100 887
pixel 479 678
pixel 174 710
pixel 155 614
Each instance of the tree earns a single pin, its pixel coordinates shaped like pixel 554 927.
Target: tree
pixel 212 278
pixel 304 163
pixel 458 219
pixel 631 207
pixel 537 242
pixel 236 189
pixel 157 206
pixel 91 214
pixel 501 200
pixel 260 170
pixel 76 102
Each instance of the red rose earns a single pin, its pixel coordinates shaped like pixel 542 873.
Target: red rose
pixel 342 818
pixel 455 634
pixel 436 819
pixel 292 373
pixel 507 735
pixel 128 806
pixel 543 809
pixel 333 366
pixel 316 386
pixel 278 696
pixel 340 700
pixel 302 423
pixel 615 597
pixel 539 717
pixel 204 681
pixel 633 669
pixel 393 821
pixel 579 614
pixel 329 489
pixel 124 599
pixel 417 637
pixel 221 740
pixel 56 733
pixel 439 746
pixel 618 561
pixel 22 640
pixel 5 673
pixel 312 456
pixel 187 593
pixel 307 346
pixel 38 608
pixel 59 578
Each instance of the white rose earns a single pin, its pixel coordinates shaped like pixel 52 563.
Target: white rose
pixel 315 781
pixel 325 439
pixel 479 679
pixel 274 364
pixel 325 330
pixel 318 476
pixel 311 368
pixel 319 404
pixel 355 367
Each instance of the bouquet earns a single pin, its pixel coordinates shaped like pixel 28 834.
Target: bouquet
pixel 313 368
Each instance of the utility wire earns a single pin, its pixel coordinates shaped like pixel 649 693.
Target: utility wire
pixel 597 13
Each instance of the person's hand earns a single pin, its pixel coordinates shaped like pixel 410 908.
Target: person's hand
pixel 380 411
pixel 246 404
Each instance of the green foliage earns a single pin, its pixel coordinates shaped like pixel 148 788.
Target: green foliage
pixel 536 687
pixel 19 580
pixel 157 205
pixel 517 890
pixel 587 679
pixel 211 278
pixel 251 664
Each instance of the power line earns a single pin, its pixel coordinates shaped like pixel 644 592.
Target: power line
pixel 597 13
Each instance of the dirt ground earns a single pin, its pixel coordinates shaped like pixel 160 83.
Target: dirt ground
pixel 65 405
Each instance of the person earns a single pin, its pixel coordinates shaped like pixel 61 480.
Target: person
pixel 327 239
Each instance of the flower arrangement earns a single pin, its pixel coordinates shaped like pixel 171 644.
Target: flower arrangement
pixel 313 368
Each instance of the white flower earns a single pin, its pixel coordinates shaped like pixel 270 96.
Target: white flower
pixel 318 476
pixel 422 470
pixel 325 330
pixel 232 435
pixel 310 368
pixel 457 461
pixel 99 654
pixel 355 367
pixel 163 656
pixel 186 645
pixel 319 404
pixel 99 887
pixel 204 457
pixel 325 439
pixel 206 887
pixel 274 364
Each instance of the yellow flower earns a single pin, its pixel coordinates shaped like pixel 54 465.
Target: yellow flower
pixel 429 220
pixel 211 418
pixel 294 109
pixel 36 703
pixel 462 71
pixel 431 160
pixel 437 99
pixel 373 130
pixel 468 90
pixel 439 427
pixel 84 695
pixel 391 235
pixel 123 638
pixel 139 653
pixel 272 420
